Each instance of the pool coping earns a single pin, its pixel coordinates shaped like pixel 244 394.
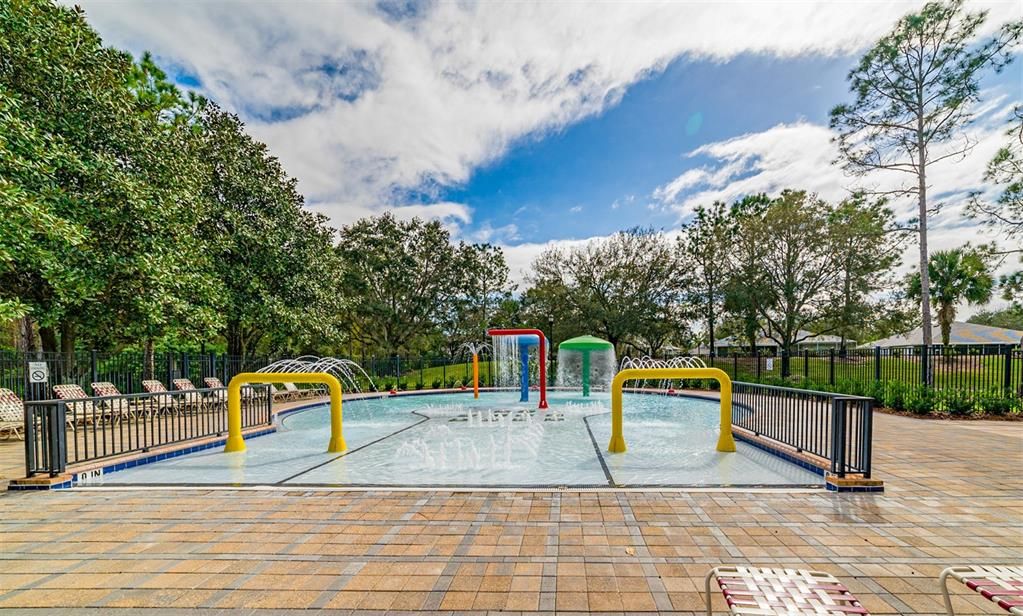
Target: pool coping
pixel 83 476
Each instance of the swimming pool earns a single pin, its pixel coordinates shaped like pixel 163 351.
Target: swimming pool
pixel 495 441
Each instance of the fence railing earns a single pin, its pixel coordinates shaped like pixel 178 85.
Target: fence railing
pixel 63 432
pixel 126 370
pixel 966 369
pixel 835 427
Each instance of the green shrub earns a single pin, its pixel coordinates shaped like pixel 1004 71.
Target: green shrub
pixel 389 385
pixel 451 383
pixel 994 403
pixel 436 384
pixel 919 399
pixel 419 385
pixel 403 385
pixel 955 402
pixel 893 396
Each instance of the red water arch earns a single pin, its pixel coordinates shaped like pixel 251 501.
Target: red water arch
pixel 542 346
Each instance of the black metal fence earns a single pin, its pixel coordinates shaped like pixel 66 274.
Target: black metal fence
pixel 63 432
pixel 126 370
pixel 836 427
pixel 966 369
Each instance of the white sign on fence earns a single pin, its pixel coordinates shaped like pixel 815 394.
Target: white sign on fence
pixel 770 364
pixel 38 372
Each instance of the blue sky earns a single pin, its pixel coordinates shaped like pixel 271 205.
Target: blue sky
pixel 536 124
pixel 610 164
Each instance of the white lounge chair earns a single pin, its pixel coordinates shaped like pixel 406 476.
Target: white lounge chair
pixel 1002 585
pixel 12 414
pixel 753 591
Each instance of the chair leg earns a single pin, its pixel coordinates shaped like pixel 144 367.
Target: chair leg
pixel 943 581
pixel 706 584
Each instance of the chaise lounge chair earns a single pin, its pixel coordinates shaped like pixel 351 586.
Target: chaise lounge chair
pixel 298 393
pixel 12 414
pixel 248 391
pixel 759 591
pixel 194 400
pixel 1002 585
pixel 165 403
pixel 83 410
pixel 111 400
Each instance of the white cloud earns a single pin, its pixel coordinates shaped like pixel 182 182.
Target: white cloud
pixel 798 156
pixel 362 107
pixel 575 209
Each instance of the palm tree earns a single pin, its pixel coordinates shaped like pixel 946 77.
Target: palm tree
pixel 958 275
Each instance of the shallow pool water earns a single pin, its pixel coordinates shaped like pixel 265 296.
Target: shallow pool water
pixel 454 440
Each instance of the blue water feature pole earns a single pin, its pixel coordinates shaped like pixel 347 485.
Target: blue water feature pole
pixel 524 360
pixel 524 343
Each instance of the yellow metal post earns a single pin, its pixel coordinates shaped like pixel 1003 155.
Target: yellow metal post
pixel 725 440
pixel 235 442
pixel 475 375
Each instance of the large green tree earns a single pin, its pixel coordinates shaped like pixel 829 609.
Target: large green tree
pixel 958 276
pixel 799 270
pixel 867 246
pixel 403 278
pixel 707 242
pixel 743 261
pixel 106 179
pixel 1005 214
pixel 274 259
pixel 915 92
pixel 628 288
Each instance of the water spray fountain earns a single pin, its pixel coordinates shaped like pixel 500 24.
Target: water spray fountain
pixel 505 342
pixel 584 362
pixel 474 349
pixel 650 362
pixel 345 370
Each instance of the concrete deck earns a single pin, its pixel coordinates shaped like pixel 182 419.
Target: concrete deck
pixel 954 495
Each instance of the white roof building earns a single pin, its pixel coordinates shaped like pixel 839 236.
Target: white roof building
pixel 963 334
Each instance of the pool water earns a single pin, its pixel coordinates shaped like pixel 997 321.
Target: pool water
pixel 454 440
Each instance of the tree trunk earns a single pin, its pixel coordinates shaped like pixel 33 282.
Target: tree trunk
pixel 48 338
pixel 234 338
pixel 148 360
pixel 67 338
pixel 925 281
pixel 26 342
pixel 710 323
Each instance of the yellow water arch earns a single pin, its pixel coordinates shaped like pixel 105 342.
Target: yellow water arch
pixel 235 442
pixel 725 440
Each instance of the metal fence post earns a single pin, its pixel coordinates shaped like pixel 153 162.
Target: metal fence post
pixel 1007 380
pixel 924 360
pixel 877 363
pixel 831 366
pixel 57 438
pixel 170 370
pixel 30 439
pixel 756 358
pixel 806 364
pixel 93 366
pixel 838 437
pixel 735 366
pixel 867 436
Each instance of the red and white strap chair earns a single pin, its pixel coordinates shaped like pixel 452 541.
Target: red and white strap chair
pixel 1002 585
pixel 758 591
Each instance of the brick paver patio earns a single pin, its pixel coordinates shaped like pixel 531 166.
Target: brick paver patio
pixel 954 495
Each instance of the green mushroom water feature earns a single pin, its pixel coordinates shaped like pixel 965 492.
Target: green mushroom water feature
pixel 587 362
